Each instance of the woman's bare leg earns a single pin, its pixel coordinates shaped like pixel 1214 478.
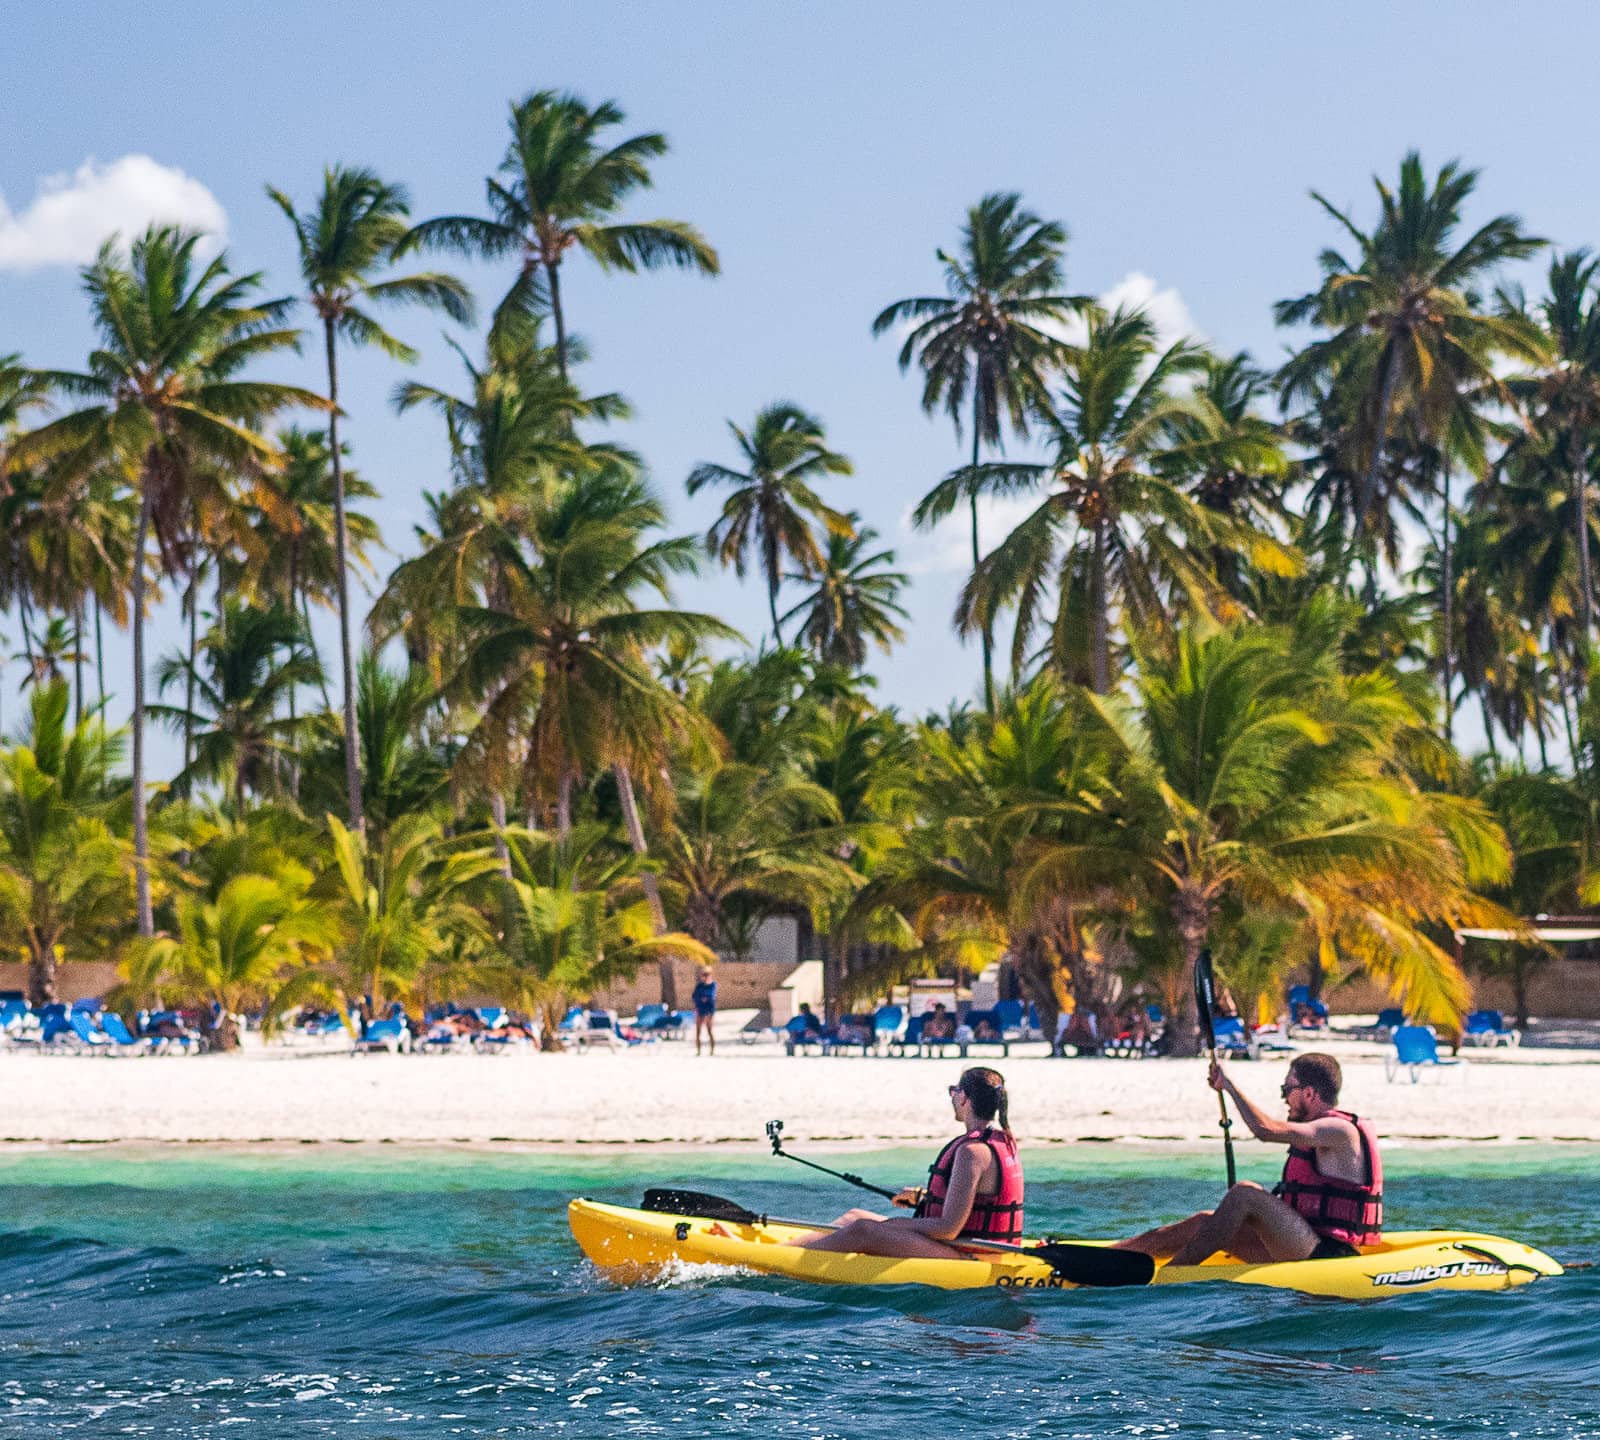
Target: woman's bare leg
pixel 872 1237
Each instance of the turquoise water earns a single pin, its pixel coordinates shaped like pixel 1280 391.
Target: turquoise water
pixel 384 1292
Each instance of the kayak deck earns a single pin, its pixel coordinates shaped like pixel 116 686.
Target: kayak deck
pixel 633 1246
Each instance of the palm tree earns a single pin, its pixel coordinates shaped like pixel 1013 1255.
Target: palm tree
pixel 170 413
pixel 350 235
pixel 1562 400
pixel 406 907
pixel 1409 332
pixel 63 858
pixel 1115 530
pixel 1229 456
pixel 989 336
pixel 855 601
pixel 561 651
pixel 242 947
pixel 247 665
pixel 785 452
pixel 569 929
pixel 562 181
pixel 298 532
pixel 741 833
pixel 1255 779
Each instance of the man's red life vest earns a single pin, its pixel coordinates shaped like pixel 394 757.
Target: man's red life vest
pixel 993 1217
pixel 1337 1209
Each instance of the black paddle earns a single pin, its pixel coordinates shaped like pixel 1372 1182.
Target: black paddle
pixel 775 1134
pixel 1092 1265
pixel 1205 997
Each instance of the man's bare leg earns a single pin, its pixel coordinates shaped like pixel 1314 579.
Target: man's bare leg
pixel 1165 1240
pixel 1252 1224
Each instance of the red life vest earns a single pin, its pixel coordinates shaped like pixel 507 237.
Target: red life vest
pixel 1337 1209
pixel 993 1217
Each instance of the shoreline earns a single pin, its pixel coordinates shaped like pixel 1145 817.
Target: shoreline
pixel 667 1102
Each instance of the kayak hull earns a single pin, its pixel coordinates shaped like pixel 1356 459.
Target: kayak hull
pixel 640 1246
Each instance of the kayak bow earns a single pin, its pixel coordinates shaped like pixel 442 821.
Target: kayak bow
pixel 633 1246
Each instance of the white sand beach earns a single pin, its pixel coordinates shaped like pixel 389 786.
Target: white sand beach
pixel 663 1094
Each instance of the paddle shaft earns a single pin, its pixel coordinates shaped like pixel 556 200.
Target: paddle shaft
pixel 1205 995
pixel 1227 1130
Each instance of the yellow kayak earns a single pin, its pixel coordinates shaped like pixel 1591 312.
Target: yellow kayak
pixel 633 1246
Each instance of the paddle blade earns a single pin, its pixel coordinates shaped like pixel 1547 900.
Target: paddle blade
pixel 699 1205
pixel 1097 1265
pixel 1205 996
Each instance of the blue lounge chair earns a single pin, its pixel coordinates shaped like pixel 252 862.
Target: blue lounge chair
pixel 494 1016
pixel 1488 1027
pixel 165 1033
pixel 1389 1021
pixel 909 1041
pixel 650 1017
pixel 888 1025
pixel 801 1034
pixel 973 1019
pixel 1008 1014
pixel 1230 1035
pixel 18 1024
pixel 389 1035
pixel 1415 1046
pixel 75 1034
pixel 851 1033
pixel 116 1028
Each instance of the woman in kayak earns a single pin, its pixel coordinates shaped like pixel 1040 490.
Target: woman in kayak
pixel 974 1189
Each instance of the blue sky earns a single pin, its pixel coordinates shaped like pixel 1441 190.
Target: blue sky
pixel 826 149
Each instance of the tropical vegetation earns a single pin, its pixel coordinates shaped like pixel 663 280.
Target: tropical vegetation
pixel 1247 618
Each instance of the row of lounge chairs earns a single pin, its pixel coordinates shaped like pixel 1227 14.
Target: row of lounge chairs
pixel 889 1031
pixel 87 1028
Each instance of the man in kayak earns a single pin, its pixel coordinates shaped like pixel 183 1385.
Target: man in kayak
pixel 974 1188
pixel 1329 1202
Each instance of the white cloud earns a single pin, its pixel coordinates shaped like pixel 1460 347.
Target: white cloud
pixel 73 214
pixel 1166 309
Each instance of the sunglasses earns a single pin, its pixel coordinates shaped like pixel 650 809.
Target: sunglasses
pixel 1289 1087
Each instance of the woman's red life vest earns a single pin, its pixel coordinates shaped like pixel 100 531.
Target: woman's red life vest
pixel 1337 1209
pixel 993 1217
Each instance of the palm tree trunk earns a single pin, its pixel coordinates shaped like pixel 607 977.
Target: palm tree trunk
pixel 552 273
pixel 190 602
pixel 352 741
pixel 1580 485
pixel 1369 484
pixel 1565 694
pixel 99 655
pixel 977 557
pixel 1488 724
pixel 630 818
pixel 25 615
pixel 502 851
pixel 772 605
pixel 1192 915
pixel 1099 620
pixel 77 659
pixel 564 806
pixel 141 831
pixel 1447 645
pixel 41 972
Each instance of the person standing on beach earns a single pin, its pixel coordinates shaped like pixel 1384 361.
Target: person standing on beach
pixel 1329 1201
pixel 704 1000
pixel 974 1188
